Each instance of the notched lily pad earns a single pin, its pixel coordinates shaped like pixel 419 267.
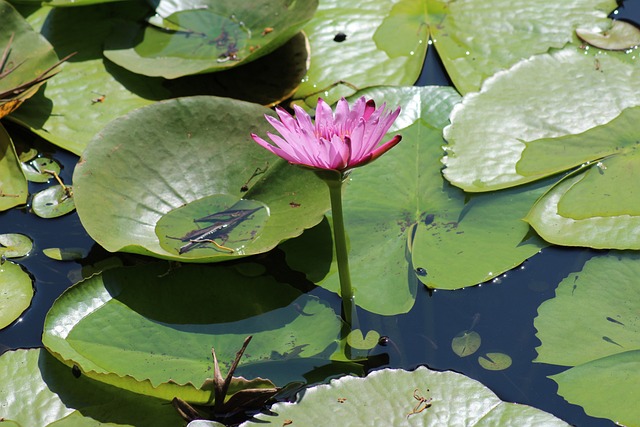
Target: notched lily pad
pixel 495 361
pixel 622 35
pixel 213 223
pixel 356 340
pixel 14 245
pixel 466 343
pixel 53 202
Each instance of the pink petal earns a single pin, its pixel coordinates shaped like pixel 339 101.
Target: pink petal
pixel 275 150
pixel 378 151
pixel 324 118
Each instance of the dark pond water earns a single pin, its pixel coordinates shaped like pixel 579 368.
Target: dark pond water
pixel 501 311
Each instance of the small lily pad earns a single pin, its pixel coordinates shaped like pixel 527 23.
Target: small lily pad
pixel 494 361
pixel 13 245
pixel 37 169
pixel 53 202
pixel 16 291
pixel 466 343
pixel 622 35
pixel 67 254
pixel 356 340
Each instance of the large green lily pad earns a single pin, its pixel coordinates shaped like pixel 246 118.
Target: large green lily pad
pixel 161 346
pixel 89 91
pixel 186 38
pixel 491 129
pixel 596 206
pixel 357 44
pixel 592 326
pixel 405 223
pixel 37 390
pixel 16 291
pixel 160 158
pixel 401 398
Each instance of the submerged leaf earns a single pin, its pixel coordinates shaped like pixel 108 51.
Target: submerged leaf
pixel 466 343
pixel 495 361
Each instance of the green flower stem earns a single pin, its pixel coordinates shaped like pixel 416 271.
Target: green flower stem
pixel 340 240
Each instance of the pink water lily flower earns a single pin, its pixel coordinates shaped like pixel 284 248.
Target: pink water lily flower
pixel 337 142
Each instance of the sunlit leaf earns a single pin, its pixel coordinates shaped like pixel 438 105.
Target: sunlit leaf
pixel 357 44
pixel 16 291
pixel 53 202
pixel 204 36
pixel 466 343
pixel 13 245
pixel 44 392
pixel 596 206
pixel 495 361
pixel 592 326
pixel 104 324
pixel 622 35
pixel 36 170
pixel 422 397
pixel 201 148
pixel 490 130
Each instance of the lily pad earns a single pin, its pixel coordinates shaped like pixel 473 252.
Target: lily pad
pixel 26 60
pixel 204 36
pixel 201 148
pixel 70 111
pixel 596 206
pixel 53 202
pixel 466 343
pixel 411 225
pixel 35 379
pixel 13 245
pixel 356 340
pixel 13 184
pixel 491 129
pixel 495 361
pixel 36 170
pixel 65 254
pixel 16 294
pixel 358 44
pixel 622 35
pixel 401 398
pixel 103 325
pixel 592 326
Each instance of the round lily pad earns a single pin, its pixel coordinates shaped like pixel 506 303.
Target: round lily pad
pixel 466 343
pixel 192 153
pixel 14 245
pixel 16 291
pixel 495 361
pixel 53 202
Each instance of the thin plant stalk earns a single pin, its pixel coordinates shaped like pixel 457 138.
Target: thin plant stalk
pixel 340 241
